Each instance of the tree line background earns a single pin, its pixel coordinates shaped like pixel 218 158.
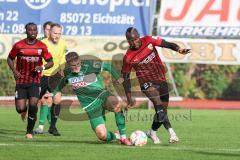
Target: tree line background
pixel 197 81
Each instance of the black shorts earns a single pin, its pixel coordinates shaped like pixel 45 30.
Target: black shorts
pixel 25 91
pixel 49 83
pixel 162 88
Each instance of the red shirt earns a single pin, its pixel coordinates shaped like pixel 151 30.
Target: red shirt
pixel 145 61
pixel 28 57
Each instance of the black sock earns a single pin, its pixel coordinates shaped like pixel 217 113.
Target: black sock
pixel 55 111
pixel 32 117
pixel 167 123
pixel 156 125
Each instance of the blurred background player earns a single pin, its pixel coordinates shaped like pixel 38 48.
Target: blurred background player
pixel 45 108
pixel 50 79
pixel 87 83
pixel 29 52
pixel 46 30
pixel 143 57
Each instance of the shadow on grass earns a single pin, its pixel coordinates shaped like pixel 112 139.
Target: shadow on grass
pixel 11 132
pixel 59 141
pixel 208 153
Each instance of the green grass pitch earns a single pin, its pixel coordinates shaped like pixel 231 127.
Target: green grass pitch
pixel 204 134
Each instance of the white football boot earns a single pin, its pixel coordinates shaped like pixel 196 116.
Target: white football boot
pixel 172 136
pixel 152 134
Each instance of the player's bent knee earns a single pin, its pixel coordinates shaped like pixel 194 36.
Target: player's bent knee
pixel 101 132
pixel 21 110
pixel 44 101
pixel 57 98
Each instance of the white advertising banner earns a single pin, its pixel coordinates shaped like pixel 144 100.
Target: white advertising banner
pixel 200 18
pixel 204 51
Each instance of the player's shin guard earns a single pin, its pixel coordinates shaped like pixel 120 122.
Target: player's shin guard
pixel 55 111
pixel 160 114
pixel 110 136
pixel 32 117
pixel 43 114
pixel 120 121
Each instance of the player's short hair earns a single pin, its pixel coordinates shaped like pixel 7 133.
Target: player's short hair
pixel 47 23
pixel 71 57
pixel 55 25
pixel 131 34
pixel 29 24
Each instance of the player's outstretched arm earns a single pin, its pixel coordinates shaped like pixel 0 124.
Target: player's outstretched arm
pixel 57 97
pixel 175 47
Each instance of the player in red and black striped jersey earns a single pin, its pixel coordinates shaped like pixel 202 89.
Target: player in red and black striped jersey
pixel 142 56
pixel 29 54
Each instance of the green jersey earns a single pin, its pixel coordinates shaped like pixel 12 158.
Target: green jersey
pixel 88 83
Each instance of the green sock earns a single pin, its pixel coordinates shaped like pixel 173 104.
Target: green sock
pixel 110 136
pixel 43 114
pixel 120 121
pixel 49 115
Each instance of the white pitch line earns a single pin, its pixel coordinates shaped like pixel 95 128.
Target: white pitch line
pixel 27 144
pixel 180 148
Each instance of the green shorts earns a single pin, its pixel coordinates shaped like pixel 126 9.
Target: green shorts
pixel 96 110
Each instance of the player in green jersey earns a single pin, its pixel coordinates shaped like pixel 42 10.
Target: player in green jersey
pixel 87 84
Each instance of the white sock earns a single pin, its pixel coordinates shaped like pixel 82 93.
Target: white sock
pixel 171 131
pixel 41 127
pixel 123 136
pixel 153 132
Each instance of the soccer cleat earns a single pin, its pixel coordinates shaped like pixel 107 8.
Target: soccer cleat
pixel 125 141
pixel 173 138
pixel 29 136
pixel 117 134
pixel 24 116
pixel 54 132
pixel 38 131
pixel 154 137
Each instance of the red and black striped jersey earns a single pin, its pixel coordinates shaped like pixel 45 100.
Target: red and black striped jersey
pixel 145 61
pixel 28 57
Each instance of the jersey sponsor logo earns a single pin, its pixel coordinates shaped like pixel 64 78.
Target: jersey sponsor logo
pixel 39 51
pixel 150 46
pixel 75 79
pixel 148 59
pixel 30 59
pixel 79 85
pixel 37 4
pixel 77 82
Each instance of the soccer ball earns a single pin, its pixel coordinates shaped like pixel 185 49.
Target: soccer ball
pixel 138 138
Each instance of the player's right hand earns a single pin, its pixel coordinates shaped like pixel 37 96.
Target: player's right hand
pixel 184 51
pixel 131 102
pixel 17 75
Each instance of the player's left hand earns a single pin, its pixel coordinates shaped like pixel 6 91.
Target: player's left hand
pixel 48 95
pixel 184 51
pixel 38 69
